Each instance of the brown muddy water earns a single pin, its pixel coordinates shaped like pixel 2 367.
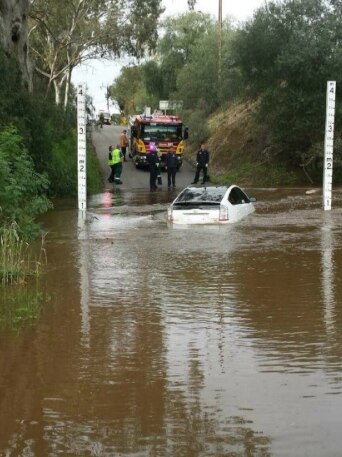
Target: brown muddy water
pixel 202 341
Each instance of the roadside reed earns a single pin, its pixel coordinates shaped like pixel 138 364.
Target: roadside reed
pixel 16 263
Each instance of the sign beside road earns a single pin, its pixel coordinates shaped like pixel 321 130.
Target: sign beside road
pixel 170 104
pixel 163 104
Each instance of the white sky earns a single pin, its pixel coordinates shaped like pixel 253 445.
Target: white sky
pixel 98 74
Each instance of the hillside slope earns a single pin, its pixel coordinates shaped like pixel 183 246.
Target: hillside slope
pixel 240 149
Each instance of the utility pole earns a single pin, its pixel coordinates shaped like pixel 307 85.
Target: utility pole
pixel 219 30
pixel 107 94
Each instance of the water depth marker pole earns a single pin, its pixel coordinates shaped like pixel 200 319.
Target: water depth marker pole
pixel 81 149
pixel 329 145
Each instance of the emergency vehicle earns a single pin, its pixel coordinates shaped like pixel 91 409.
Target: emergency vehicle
pixel 105 115
pixel 158 131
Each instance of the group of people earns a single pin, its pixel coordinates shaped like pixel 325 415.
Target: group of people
pixel 118 155
pixel 154 163
pixel 171 165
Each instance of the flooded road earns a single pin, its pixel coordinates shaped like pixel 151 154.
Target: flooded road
pixel 157 341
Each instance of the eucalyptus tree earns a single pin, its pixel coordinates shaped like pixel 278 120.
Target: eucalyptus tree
pixel 181 33
pixel 129 90
pixel 197 81
pixel 66 33
pixel 13 34
pixel 179 38
pixel 125 88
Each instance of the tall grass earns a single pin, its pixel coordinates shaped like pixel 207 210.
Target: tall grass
pixel 20 306
pixel 16 263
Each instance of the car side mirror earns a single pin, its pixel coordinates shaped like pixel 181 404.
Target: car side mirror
pixel 186 133
pixel 252 199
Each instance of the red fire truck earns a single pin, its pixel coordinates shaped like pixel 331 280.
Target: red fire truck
pixel 157 131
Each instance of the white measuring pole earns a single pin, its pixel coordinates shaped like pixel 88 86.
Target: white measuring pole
pixel 81 149
pixel 329 145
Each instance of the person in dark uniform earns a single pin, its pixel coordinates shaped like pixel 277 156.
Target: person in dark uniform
pixel 202 160
pixel 101 119
pixel 171 163
pixel 154 164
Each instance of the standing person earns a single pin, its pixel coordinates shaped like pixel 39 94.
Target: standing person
pixel 124 143
pixel 171 163
pixel 154 165
pixel 110 163
pixel 101 119
pixel 202 160
pixel 159 176
pixel 117 162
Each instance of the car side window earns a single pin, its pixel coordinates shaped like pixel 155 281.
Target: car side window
pixel 237 197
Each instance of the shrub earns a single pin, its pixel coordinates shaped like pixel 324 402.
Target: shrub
pixel 22 189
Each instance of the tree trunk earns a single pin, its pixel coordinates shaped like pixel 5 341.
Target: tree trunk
pixel 14 35
pixel 57 92
pixel 67 87
pixel 58 84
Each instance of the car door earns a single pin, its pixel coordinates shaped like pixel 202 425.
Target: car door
pixel 241 205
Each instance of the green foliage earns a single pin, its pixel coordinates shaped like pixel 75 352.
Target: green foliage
pixel 153 79
pixel 196 121
pixel 250 172
pixel 156 79
pixel 175 48
pixel 19 306
pixel 62 168
pixel 94 180
pixel 126 86
pixel 286 54
pixel 38 121
pixel 182 32
pixel 15 256
pixel 22 189
pixel 197 81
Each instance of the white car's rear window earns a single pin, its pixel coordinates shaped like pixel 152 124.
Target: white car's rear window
pixel 202 194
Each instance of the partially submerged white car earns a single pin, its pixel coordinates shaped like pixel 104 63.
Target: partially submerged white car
pixel 209 204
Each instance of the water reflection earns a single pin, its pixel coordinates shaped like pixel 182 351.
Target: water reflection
pixel 328 281
pixel 84 272
pixel 182 342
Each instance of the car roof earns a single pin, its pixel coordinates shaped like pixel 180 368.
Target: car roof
pixel 208 186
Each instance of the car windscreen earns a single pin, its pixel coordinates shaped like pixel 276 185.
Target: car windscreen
pixel 201 195
pixel 161 132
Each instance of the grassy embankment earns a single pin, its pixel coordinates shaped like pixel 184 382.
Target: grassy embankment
pixel 240 151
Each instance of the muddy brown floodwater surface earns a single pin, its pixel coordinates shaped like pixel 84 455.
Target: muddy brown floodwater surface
pixel 201 341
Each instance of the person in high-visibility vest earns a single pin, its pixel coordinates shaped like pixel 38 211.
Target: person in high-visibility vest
pixel 117 163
